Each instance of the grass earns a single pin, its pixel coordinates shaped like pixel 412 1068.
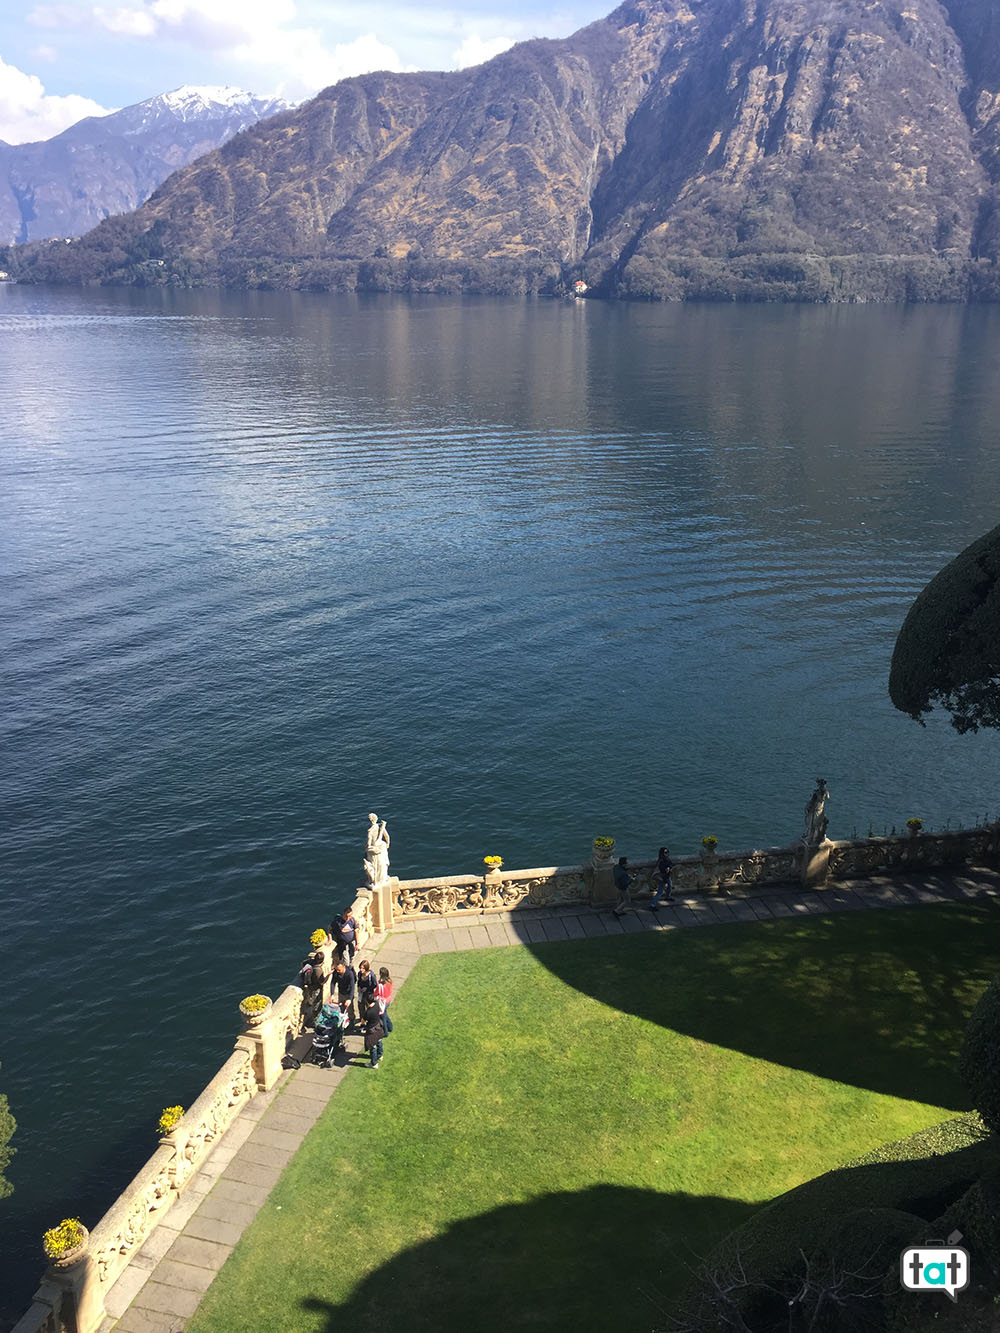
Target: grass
pixel 558 1132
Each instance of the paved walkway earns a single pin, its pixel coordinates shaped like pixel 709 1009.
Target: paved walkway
pixel 163 1285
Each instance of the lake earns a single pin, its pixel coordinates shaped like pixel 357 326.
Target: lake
pixel 512 574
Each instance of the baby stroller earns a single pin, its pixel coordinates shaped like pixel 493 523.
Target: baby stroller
pixel 321 1052
pixel 328 1038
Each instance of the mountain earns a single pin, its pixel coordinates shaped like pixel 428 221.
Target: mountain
pixel 773 149
pixel 110 164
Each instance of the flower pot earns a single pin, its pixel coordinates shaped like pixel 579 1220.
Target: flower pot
pixel 255 1020
pixel 74 1255
pixel 604 853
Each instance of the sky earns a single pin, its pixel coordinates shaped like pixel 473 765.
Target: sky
pixel 61 60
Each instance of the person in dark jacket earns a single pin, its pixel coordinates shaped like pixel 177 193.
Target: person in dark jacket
pixel 311 980
pixel 367 981
pixel 345 983
pixel 664 871
pixel 344 933
pixel 374 1031
pixel 623 882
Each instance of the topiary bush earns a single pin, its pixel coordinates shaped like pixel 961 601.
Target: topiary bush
pixel 977 1216
pixel 979 1063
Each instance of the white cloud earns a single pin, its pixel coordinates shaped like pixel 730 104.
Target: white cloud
pixel 302 65
pixel 476 50
pixel 128 22
pixel 28 112
pixel 296 61
pixel 48 53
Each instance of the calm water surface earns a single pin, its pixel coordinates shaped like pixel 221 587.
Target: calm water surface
pixel 511 574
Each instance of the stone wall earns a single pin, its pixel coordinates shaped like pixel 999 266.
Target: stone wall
pixel 797 865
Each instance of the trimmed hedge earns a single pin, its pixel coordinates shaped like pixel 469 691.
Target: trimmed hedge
pixel 855 1221
pixel 979 1063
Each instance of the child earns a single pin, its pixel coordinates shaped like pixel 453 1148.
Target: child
pixel 383 993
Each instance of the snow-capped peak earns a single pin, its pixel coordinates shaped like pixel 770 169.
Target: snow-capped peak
pixel 190 100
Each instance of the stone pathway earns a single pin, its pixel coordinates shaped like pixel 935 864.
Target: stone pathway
pixel 162 1287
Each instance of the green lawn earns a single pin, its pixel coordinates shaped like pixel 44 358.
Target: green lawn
pixel 557 1132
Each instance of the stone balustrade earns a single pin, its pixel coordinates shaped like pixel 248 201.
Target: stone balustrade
pixel 796 864
pixel 73 1297
pixel 546 886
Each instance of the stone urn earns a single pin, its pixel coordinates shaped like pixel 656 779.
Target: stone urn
pixel 254 1015
pixel 492 870
pixel 604 849
pixel 70 1257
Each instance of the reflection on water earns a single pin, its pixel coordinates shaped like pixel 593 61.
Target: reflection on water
pixel 511 573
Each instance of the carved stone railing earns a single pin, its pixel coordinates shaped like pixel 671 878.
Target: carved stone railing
pixel 362 909
pixel 286 1016
pixel 923 851
pixel 74 1298
pixel 756 868
pixel 546 886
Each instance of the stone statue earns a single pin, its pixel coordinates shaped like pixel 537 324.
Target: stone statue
pixel 816 820
pixel 376 861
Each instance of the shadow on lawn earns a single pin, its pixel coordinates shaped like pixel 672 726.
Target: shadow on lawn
pixel 877 999
pixel 606 1257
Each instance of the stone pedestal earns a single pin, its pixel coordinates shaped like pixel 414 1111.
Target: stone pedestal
pixel 602 882
pixel 74 1290
pixel 266 1044
pixel 814 864
pixel 383 896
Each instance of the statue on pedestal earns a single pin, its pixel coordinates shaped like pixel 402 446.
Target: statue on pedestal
pixel 816 821
pixel 376 862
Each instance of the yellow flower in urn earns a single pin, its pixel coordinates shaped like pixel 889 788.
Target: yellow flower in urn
pixel 170 1118
pixel 58 1241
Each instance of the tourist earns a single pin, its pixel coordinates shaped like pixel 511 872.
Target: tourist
pixel 623 882
pixel 374 1031
pixel 311 978
pixel 383 993
pixel 366 983
pixel 344 932
pixel 345 983
pixel 664 872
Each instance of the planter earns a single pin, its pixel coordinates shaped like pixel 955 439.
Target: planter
pixel 74 1255
pixel 254 1020
pixel 603 853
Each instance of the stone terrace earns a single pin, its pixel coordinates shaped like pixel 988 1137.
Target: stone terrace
pixel 162 1287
